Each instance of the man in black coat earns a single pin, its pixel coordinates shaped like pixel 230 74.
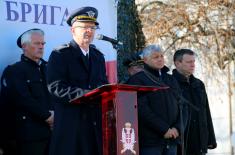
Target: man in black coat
pixel 199 135
pixel 27 90
pixel 158 111
pixel 72 70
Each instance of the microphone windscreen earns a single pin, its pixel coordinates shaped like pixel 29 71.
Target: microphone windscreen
pixel 99 36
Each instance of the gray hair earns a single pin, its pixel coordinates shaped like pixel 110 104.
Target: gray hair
pixel 151 49
pixel 27 36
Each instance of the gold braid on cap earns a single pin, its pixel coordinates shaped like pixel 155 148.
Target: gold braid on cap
pixel 135 63
pixel 84 18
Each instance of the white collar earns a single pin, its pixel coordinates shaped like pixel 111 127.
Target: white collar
pixel 159 71
pixel 85 52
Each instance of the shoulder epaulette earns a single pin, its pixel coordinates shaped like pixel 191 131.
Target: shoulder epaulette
pixel 14 64
pixel 92 46
pixel 64 46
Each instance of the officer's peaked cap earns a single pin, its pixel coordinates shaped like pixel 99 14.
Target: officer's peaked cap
pixel 133 59
pixel 19 38
pixel 84 14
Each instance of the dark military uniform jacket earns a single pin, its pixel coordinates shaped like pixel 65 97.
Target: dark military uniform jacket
pixel 77 128
pixel 30 98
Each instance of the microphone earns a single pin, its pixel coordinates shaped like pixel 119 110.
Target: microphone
pixel 111 40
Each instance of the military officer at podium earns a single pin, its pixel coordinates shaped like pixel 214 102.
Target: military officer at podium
pixel 73 69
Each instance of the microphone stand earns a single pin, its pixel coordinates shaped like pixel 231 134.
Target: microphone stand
pixel 117 47
pixel 120 55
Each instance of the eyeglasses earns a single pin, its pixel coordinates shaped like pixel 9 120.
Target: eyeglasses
pixel 39 43
pixel 87 27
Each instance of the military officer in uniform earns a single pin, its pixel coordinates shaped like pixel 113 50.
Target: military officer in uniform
pixel 72 70
pixel 134 63
pixel 29 96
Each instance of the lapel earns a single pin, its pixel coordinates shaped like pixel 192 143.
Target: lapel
pixel 85 62
pixel 93 62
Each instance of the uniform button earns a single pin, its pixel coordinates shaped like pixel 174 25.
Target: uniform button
pixel 94 123
pixel 4 82
pixel 24 117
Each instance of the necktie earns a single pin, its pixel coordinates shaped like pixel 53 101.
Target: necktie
pixel 87 59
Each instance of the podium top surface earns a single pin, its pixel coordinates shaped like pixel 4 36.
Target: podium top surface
pixel 124 87
pixel 116 87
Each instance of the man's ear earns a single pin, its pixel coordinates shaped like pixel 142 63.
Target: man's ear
pixel 23 45
pixel 72 30
pixel 176 63
pixel 145 59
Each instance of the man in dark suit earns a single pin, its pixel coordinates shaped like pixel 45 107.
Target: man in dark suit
pixel 29 96
pixel 199 135
pixel 72 70
pixel 158 112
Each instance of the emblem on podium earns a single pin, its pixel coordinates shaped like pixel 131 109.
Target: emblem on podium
pixel 128 138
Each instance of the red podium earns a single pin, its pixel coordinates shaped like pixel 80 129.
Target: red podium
pixel 119 116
